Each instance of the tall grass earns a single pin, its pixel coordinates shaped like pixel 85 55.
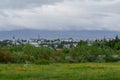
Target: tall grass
pixel 82 71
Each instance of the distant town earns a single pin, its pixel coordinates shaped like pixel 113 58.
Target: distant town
pixel 38 42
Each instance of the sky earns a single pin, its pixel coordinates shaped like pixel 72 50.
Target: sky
pixel 60 15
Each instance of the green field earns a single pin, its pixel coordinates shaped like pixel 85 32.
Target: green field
pixel 82 71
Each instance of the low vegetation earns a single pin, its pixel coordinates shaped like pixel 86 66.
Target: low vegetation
pixel 96 61
pixel 97 51
pixel 82 71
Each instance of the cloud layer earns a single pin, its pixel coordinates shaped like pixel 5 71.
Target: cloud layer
pixel 60 14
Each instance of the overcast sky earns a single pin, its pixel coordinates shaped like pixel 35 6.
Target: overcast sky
pixel 60 14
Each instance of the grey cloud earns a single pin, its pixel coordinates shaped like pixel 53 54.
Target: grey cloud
pixel 22 4
pixel 65 15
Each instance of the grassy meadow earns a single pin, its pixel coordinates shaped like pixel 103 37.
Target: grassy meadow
pixel 81 71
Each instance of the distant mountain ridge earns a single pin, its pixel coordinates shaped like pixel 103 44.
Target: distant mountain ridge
pixel 82 34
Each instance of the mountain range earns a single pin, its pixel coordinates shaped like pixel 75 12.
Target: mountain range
pixel 82 34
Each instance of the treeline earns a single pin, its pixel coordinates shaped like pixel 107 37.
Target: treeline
pixel 98 51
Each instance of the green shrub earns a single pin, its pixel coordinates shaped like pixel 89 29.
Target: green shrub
pixel 5 56
pixel 100 58
pixel 115 58
pixel 42 61
pixel 16 48
pixel 68 59
pixel 18 57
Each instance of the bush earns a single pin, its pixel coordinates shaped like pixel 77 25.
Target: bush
pixel 18 57
pixel 101 58
pixel 115 58
pixel 16 48
pixel 5 56
pixel 69 59
pixel 43 62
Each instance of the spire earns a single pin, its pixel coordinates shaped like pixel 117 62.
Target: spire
pixel 38 37
pixel 13 41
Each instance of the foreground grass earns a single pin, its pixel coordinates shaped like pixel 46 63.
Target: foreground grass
pixel 82 71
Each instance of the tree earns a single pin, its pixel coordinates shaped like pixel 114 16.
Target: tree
pixel 5 56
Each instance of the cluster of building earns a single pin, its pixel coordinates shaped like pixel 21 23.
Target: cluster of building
pixel 55 43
